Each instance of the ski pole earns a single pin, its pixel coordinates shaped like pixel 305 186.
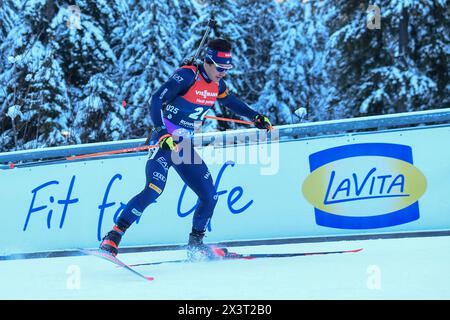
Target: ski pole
pixel 229 120
pixel 105 153
pixel 141 148
pixel 233 120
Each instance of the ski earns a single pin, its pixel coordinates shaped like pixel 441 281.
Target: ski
pixel 109 257
pixel 237 256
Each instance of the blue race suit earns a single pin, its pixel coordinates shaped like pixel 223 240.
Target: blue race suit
pixel 179 102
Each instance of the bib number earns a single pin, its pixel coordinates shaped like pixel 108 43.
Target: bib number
pixel 197 114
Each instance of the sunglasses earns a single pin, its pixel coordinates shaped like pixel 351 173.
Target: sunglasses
pixel 219 68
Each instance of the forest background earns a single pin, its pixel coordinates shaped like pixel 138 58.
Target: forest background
pixel 84 71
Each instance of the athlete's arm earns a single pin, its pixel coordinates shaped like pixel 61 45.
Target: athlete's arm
pixel 179 82
pixel 234 104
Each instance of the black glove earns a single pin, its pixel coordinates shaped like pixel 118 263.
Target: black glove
pixel 262 122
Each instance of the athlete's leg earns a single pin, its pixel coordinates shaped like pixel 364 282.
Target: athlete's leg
pixel 156 175
pixel 156 170
pixel 197 176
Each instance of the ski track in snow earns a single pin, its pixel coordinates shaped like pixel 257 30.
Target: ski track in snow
pixel 406 268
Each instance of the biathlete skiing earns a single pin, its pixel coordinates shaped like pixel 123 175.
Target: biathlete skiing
pixel 174 109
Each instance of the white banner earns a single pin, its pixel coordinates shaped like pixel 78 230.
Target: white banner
pixel 392 181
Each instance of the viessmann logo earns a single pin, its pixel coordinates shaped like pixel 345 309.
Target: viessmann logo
pixel 205 93
pixel 364 186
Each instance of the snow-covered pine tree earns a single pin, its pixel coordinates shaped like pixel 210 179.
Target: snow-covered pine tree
pixel 425 51
pixel 99 116
pixel 315 77
pixel 8 16
pixel 90 66
pixel 185 13
pixel 112 17
pixel 353 50
pixel 84 50
pixel 260 21
pixel 151 54
pixel 369 72
pixel 401 84
pixel 36 98
pixel 296 76
pixel 276 98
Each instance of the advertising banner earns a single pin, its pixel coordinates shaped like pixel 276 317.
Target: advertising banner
pixel 377 182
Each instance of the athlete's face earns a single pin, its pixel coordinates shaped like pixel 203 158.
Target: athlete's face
pixel 215 72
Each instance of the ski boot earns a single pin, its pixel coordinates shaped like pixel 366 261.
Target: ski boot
pixel 110 242
pixel 198 251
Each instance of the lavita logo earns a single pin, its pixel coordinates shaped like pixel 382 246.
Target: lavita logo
pixel 364 186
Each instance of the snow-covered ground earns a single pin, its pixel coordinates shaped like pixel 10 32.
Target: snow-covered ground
pixel 407 268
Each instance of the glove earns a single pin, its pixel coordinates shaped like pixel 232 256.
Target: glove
pixel 262 122
pixel 166 143
pixel 165 140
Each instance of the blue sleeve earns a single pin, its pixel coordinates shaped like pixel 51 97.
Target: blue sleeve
pixel 178 83
pixel 234 104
